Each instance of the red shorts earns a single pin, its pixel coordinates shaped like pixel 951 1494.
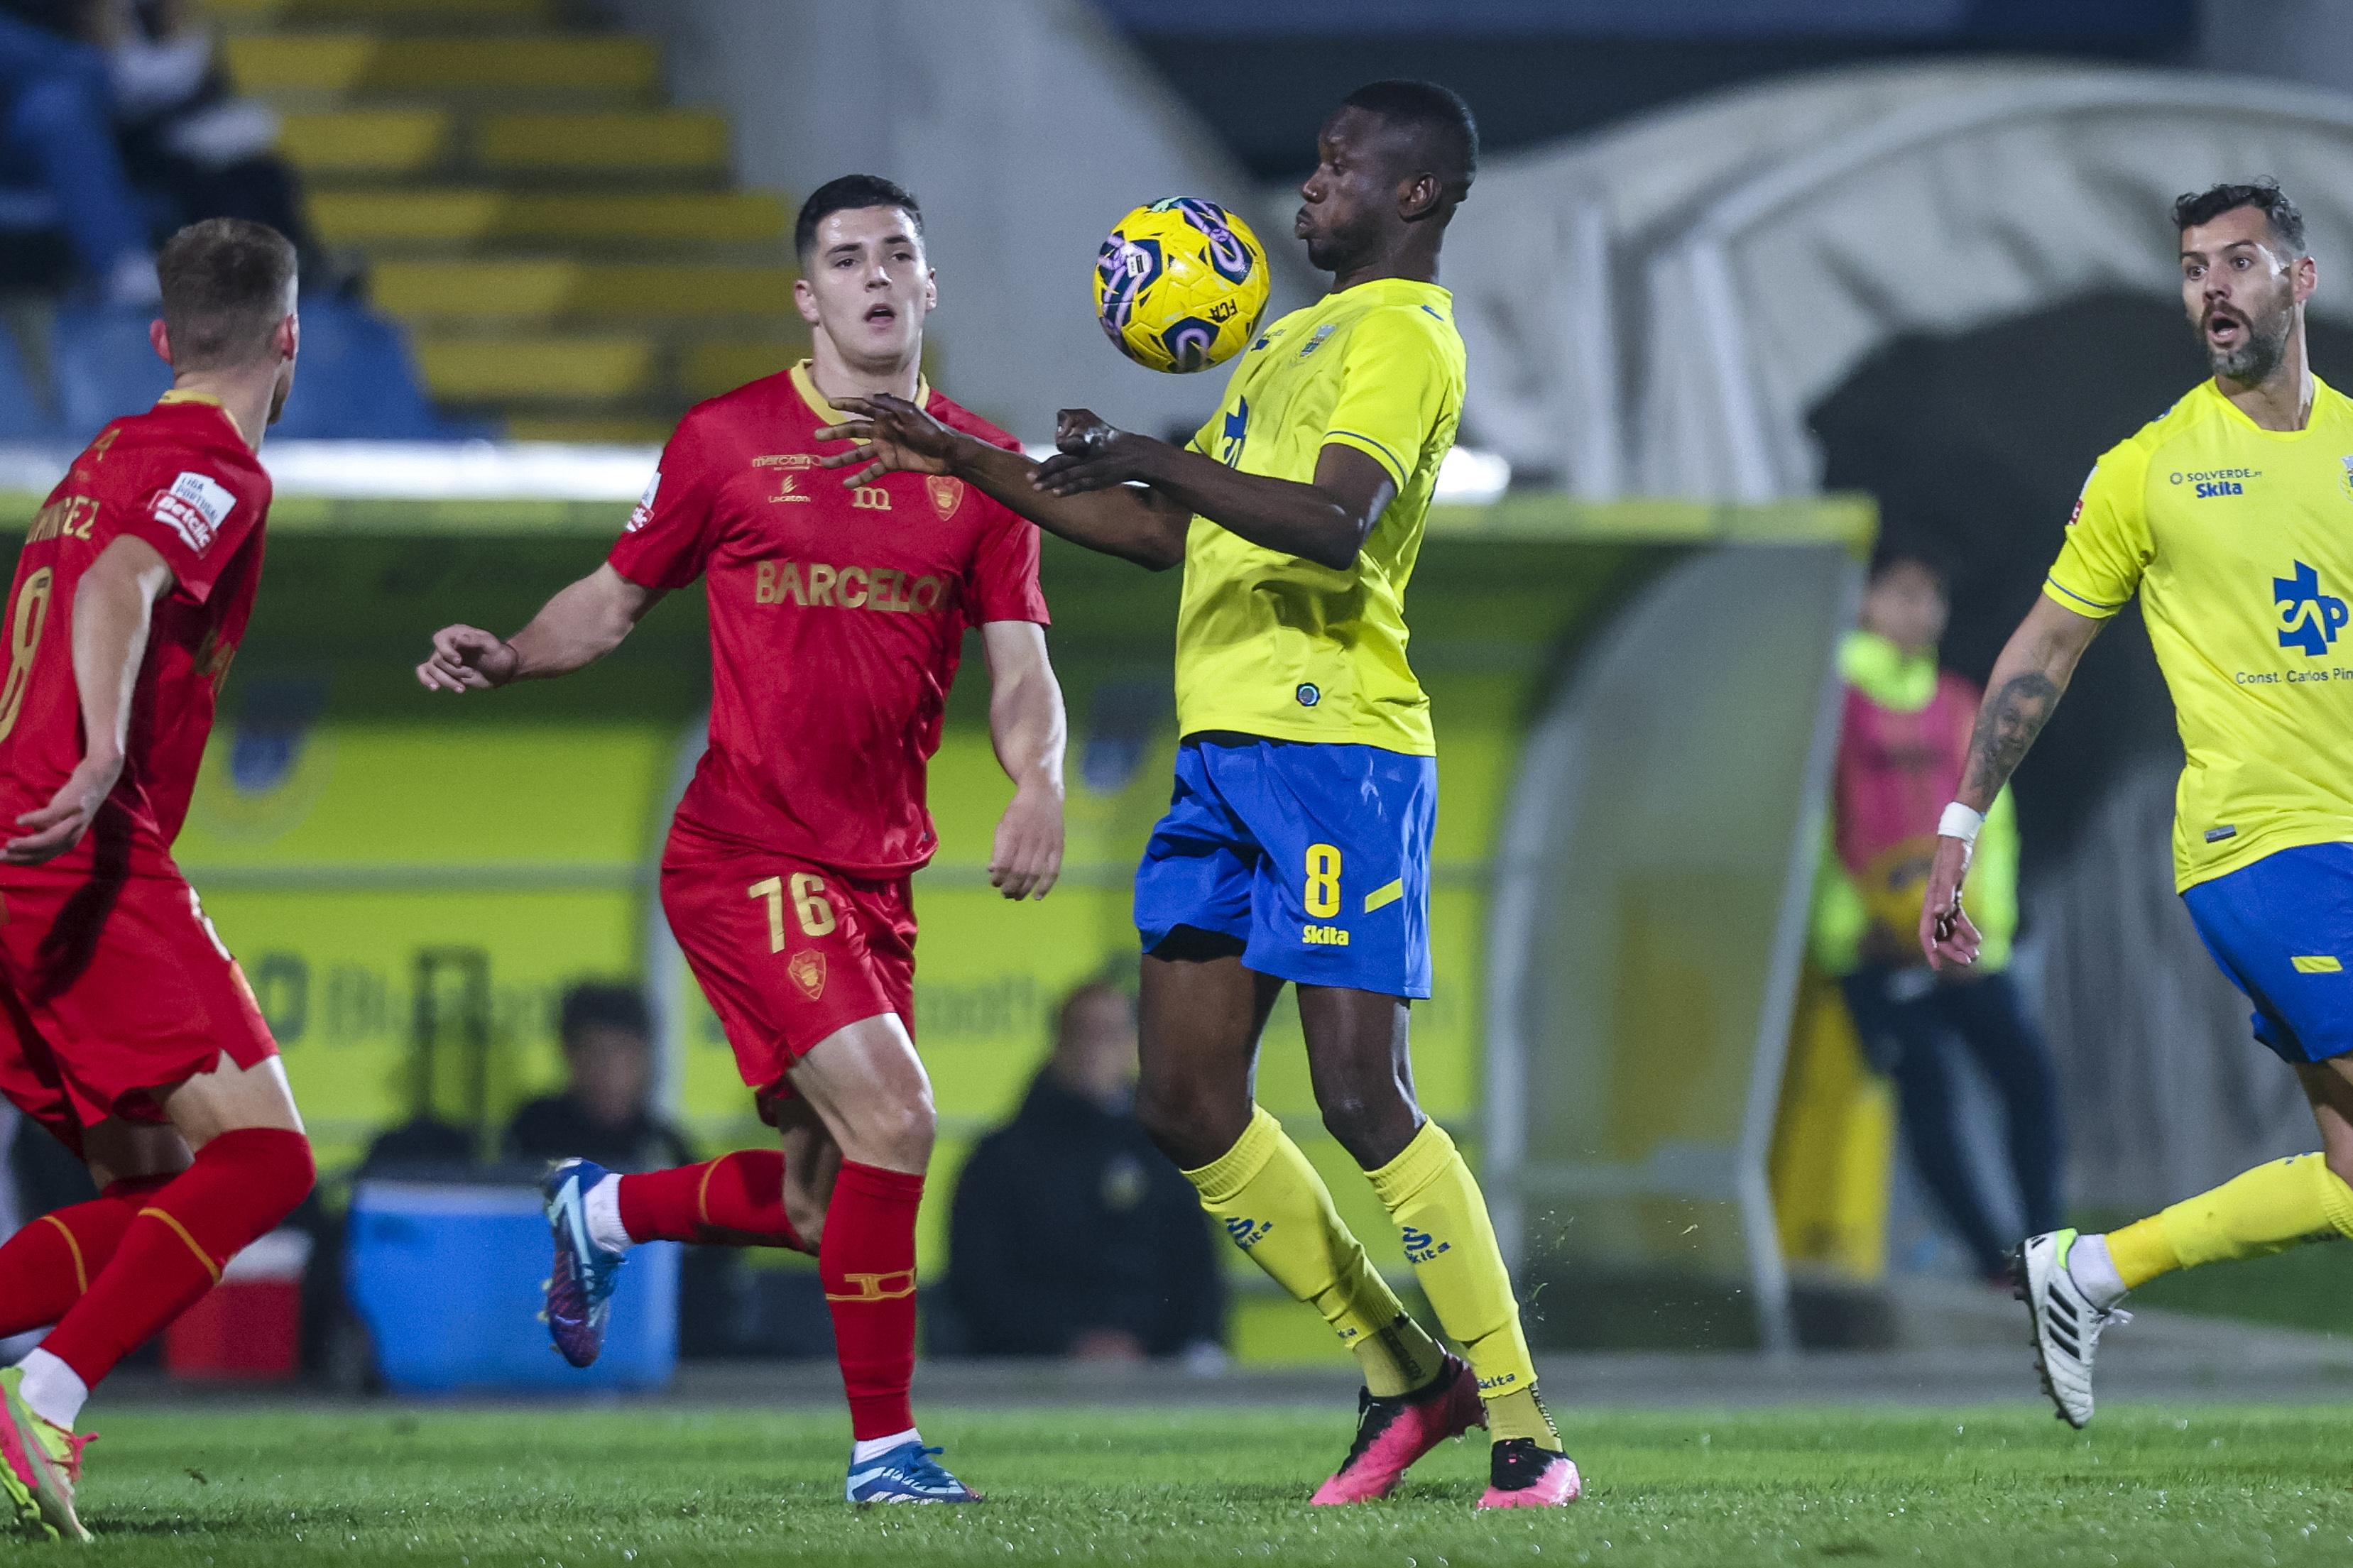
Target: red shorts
pixel 113 987
pixel 788 951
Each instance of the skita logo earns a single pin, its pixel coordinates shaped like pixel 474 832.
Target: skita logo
pixel 1235 434
pixel 1247 1233
pixel 2308 619
pixel 1420 1246
pixel 2347 480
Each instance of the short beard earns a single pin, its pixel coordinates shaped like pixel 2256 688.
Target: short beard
pixel 2259 354
pixel 1339 252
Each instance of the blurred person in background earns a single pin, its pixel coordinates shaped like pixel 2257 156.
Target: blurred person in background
pixel 1903 739
pixel 183 133
pixel 56 129
pixel 606 1111
pixel 1071 1234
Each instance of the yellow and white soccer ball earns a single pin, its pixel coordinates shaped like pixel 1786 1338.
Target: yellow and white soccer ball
pixel 1180 285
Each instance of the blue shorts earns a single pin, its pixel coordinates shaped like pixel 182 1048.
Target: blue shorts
pixel 2281 929
pixel 1314 858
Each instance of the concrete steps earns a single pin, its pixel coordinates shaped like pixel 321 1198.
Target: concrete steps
pixel 342 146
pixel 565 248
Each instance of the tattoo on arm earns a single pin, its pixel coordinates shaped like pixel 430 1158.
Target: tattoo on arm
pixel 2006 726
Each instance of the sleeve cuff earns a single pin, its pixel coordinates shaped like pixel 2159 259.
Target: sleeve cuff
pixel 2083 605
pixel 1373 449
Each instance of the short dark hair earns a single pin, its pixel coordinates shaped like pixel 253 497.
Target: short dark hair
pixel 225 282
pixel 848 194
pixel 2264 194
pixel 1886 557
pixel 603 1006
pixel 1441 123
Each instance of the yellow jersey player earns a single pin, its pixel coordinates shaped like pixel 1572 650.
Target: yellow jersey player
pixel 1296 846
pixel 2231 517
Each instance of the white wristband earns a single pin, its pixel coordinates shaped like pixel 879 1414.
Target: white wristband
pixel 1959 822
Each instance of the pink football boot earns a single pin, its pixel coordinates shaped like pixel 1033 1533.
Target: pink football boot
pixel 1522 1475
pixel 1393 1432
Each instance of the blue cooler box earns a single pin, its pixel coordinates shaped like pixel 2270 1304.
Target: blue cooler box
pixel 450 1279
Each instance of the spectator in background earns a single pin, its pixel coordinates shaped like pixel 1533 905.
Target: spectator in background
pixel 1071 1234
pixel 184 134
pixel 56 129
pixel 604 1112
pixel 1905 738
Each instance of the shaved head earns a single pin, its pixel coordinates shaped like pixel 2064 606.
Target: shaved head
pixel 1431 131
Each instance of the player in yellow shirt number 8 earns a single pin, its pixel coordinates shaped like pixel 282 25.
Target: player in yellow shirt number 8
pixel 1296 845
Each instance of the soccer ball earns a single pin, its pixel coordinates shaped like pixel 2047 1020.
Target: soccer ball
pixel 1180 285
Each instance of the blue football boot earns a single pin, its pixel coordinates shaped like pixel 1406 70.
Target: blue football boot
pixel 580 1286
pixel 906 1474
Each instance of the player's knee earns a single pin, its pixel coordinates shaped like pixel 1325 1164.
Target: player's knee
pixel 1373 1132
pixel 903 1133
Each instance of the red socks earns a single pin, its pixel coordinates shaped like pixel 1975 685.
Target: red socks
pixel 867 1260
pixel 48 1265
pixel 172 1252
pixel 737 1200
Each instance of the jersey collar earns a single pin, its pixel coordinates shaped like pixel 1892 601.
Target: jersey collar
pixel 2322 392
pixel 806 385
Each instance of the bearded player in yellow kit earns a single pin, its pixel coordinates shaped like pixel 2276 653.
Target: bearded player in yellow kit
pixel 1296 846
pixel 2231 517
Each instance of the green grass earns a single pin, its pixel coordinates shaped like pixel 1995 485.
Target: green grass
pixel 619 1485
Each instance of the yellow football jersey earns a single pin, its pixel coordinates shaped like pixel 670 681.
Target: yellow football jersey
pixel 1271 645
pixel 2239 541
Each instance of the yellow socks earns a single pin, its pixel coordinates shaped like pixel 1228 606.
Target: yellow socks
pixel 2268 1209
pixel 1451 1242
pixel 1278 1210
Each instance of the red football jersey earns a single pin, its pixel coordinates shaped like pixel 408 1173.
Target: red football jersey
pixel 180 477
pixel 837 619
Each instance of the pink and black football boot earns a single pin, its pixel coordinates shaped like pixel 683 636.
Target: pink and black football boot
pixel 1522 1475
pixel 1395 1431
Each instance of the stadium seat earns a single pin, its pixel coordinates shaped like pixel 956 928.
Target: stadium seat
pixel 105 368
pixel 22 417
pixel 356 382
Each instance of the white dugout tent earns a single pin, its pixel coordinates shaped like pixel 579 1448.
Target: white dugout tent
pixel 1652 311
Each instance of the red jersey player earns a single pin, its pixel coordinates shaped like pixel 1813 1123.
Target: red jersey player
pixel 129 1033
pixel 837 618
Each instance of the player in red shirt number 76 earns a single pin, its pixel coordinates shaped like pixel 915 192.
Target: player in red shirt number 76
pixel 126 1030
pixel 837 615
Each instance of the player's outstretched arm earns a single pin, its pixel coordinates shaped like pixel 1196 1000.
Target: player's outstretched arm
pixel 2022 693
pixel 113 605
pixel 894 436
pixel 1025 723
pixel 580 625
pixel 1325 521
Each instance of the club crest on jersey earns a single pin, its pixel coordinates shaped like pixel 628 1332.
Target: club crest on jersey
pixel 2347 480
pixel 2308 619
pixel 947 494
pixel 807 969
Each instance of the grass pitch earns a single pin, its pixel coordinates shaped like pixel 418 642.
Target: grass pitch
pixel 649 1488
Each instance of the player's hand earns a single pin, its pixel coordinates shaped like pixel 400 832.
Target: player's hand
pixel 1027 853
pixel 468 658
pixel 58 826
pixel 1946 933
pixel 1092 453
pixel 893 436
